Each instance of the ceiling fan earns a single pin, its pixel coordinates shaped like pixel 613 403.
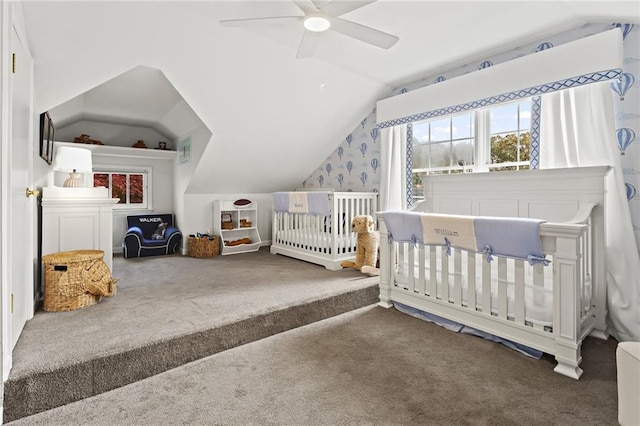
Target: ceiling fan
pixel 317 20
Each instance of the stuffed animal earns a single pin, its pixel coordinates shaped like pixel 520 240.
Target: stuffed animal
pixel 366 245
pixel 159 233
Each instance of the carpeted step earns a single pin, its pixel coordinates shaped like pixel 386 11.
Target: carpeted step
pixel 44 390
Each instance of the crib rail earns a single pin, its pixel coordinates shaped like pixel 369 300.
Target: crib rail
pixel 322 239
pixel 500 297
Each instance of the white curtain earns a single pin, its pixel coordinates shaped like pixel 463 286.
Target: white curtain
pixel 577 128
pixel 393 159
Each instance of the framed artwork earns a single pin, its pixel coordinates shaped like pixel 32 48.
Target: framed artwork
pixel 184 150
pixel 47 132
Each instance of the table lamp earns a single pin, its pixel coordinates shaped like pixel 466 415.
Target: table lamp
pixel 73 161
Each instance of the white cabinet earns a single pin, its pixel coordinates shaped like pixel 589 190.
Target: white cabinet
pixel 236 226
pixel 77 219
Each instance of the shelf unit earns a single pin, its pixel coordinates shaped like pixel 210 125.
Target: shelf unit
pixel 237 216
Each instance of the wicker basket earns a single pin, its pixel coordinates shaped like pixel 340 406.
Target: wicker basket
pixel 203 248
pixel 75 279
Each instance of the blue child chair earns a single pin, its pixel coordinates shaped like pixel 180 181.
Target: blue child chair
pixel 151 235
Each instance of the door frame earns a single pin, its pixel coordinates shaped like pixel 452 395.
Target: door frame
pixel 11 17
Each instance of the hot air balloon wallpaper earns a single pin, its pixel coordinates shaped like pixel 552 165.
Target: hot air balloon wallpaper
pixel 363 149
pixel 544 46
pixel 625 138
pixel 374 134
pixel 349 166
pixel 374 165
pixel 349 139
pixel 631 191
pixel 340 152
pixel 363 178
pixel 485 64
pixel 340 179
pixel 439 79
pixel 320 180
pixel 328 168
pixel 622 85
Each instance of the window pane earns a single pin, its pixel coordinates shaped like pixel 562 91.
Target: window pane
pixel 420 133
pixel 504 119
pixel 418 186
pixel 441 130
pixel 524 146
pixel 461 126
pixel 525 115
pixel 504 148
pixel 101 179
pixel 420 156
pixel 441 154
pixel 136 189
pixel 463 151
pixel 119 187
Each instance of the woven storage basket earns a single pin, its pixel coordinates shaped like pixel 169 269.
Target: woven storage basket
pixel 203 248
pixel 72 276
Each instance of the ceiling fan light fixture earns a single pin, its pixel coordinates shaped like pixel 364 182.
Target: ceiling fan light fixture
pixel 317 23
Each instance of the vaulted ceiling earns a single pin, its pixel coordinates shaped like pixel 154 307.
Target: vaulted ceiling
pixel 274 118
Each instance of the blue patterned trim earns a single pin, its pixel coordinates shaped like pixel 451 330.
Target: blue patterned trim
pixel 409 164
pixel 523 93
pixel 534 146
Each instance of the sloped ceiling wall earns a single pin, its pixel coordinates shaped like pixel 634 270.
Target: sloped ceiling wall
pixel 273 118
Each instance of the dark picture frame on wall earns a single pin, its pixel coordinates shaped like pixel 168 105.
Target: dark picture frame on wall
pixel 47 132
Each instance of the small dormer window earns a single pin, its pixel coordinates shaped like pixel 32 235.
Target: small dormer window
pixel 132 187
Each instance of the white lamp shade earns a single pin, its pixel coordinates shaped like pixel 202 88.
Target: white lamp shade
pixel 69 159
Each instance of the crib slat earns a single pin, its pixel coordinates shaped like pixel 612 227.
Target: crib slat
pixel 502 287
pixel 538 286
pixel 486 287
pixel 471 280
pixel 444 279
pixel 411 263
pixel 421 284
pixel 433 287
pixel 457 277
pixel 518 304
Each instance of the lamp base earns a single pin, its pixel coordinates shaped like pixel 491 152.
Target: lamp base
pixel 73 181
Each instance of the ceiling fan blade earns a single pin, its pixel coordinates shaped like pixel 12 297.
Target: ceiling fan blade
pixel 338 8
pixel 308 44
pixel 249 21
pixel 363 33
pixel 306 6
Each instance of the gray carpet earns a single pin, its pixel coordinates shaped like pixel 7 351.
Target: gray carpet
pixel 369 366
pixel 171 310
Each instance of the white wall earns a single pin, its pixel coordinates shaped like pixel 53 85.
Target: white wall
pixel 200 138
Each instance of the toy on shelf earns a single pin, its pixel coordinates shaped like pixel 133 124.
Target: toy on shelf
pixel 231 243
pixel 87 140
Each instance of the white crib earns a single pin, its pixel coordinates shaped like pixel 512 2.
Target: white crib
pixel 548 308
pixel 326 240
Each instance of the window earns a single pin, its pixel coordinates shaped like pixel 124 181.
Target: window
pixel 131 187
pixel 509 135
pixel 488 139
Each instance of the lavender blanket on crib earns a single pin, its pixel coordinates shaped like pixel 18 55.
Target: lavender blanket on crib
pixel 502 236
pixel 315 202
